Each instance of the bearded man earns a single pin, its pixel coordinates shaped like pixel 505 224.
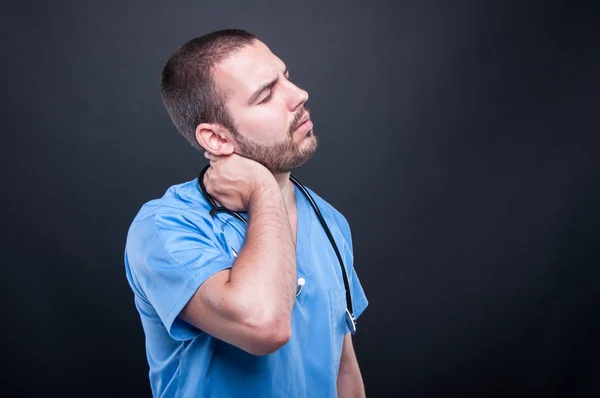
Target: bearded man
pixel 265 305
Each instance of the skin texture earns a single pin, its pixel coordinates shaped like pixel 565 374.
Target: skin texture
pixel 250 305
pixel 350 383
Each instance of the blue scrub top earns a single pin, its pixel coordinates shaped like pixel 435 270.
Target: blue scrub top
pixel 173 245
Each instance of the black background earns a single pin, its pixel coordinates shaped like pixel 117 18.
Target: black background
pixel 459 138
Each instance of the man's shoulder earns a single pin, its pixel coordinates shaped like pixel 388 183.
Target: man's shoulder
pixel 328 210
pixel 178 198
pixel 162 225
pixel 181 207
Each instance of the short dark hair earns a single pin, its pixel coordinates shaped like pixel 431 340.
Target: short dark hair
pixel 187 86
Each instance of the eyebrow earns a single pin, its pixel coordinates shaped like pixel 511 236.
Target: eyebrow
pixel 265 87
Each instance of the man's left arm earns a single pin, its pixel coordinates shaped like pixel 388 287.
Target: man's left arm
pixel 349 382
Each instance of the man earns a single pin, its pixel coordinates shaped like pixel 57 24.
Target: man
pixel 221 306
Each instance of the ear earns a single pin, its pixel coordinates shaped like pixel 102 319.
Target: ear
pixel 214 138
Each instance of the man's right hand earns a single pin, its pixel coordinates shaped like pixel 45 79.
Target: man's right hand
pixel 233 180
pixel 250 304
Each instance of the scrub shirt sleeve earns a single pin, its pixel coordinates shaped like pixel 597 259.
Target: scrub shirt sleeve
pixel 359 299
pixel 170 258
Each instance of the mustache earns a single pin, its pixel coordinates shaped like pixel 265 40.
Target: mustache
pixel 296 121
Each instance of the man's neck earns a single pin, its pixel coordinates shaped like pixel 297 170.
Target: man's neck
pixel 287 189
pixel 288 192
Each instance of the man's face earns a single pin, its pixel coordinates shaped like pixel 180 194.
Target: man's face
pixel 267 109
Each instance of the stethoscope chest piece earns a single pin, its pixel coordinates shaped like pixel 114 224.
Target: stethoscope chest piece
pixel 350 322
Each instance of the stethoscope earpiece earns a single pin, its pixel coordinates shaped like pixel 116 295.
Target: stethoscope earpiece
pixel 301 282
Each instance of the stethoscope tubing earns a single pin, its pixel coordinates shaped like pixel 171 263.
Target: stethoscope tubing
pixel 351 321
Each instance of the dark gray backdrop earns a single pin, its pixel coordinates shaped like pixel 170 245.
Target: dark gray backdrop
pixel 459 138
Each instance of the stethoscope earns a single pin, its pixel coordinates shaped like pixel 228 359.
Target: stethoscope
pixel 215 208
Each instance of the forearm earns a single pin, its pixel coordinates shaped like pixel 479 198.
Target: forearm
pixel 264 274
pixel 350 383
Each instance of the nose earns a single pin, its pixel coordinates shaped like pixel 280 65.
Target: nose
pixel 298 97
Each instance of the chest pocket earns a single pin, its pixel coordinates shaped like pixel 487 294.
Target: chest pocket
pixel 337 310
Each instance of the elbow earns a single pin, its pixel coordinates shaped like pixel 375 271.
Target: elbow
pixel 267 334
pixel 279 337
pixel 270 337
pixel 266 328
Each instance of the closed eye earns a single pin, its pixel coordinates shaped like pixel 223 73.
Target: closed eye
pixel 286 74
pixel 267 98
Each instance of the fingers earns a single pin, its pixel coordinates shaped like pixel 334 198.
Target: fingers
pixel 212 157
pixel 206 176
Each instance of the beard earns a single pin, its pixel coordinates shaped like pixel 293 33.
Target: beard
pixel 282 157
